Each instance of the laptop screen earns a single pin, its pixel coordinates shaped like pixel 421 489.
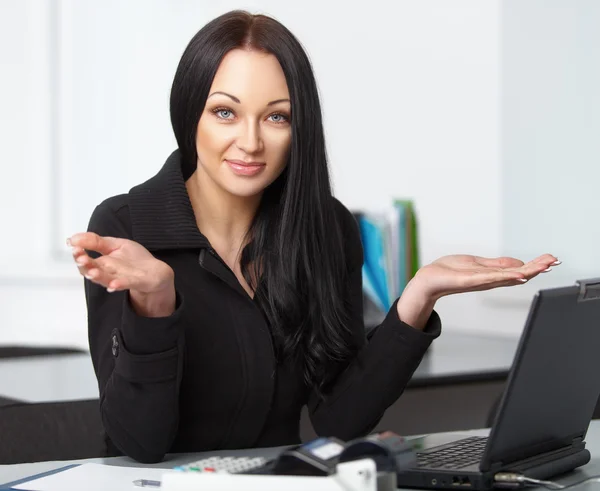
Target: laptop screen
pixel 554 383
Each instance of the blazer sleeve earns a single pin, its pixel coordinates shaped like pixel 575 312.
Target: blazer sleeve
pixel 385 362
pixel 137 360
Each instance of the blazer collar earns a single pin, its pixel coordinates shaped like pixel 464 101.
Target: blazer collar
pixel 162 216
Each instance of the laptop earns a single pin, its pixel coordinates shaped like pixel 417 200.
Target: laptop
pixel 547 405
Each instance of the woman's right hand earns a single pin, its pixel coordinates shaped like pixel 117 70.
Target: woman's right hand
pixel 126 265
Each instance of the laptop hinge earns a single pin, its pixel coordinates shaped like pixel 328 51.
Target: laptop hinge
pixel 589 289
pixel 576 442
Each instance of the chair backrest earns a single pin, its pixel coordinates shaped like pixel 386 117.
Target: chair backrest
pixel 52 431
pixel 5 401
pixel 28 351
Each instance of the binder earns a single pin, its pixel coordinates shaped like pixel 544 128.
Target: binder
pixel 10 485
pixel 373 238
pixel 391 251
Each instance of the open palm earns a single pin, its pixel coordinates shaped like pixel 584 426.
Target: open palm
pixel 464 273
pixel 122 264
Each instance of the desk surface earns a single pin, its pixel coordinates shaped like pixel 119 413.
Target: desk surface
pixel 456 357
pixel 453 358
pixel 48 378
pixel 10 473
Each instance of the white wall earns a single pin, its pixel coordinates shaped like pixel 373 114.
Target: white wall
pixel 25 143
pixel 37 301
pixel 410 93
pixel 551 131
pixel 550 150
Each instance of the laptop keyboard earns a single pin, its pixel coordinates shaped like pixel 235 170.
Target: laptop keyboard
pixel 455 455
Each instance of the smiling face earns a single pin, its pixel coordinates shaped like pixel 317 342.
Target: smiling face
pixel 244 133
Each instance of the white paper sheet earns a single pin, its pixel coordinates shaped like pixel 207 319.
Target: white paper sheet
pixel 96 477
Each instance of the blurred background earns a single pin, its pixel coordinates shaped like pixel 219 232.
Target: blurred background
pixel 486 114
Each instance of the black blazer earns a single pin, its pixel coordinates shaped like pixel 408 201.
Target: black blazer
pixel 206 377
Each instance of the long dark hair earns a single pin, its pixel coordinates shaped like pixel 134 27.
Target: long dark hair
pixel 294 259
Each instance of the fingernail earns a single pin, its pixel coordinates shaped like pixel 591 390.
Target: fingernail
pixel 80 261
pixel 87 277
pixel 556 263
pixel 546 270
pixel 523 280
pixel 110 290
pixel 69 243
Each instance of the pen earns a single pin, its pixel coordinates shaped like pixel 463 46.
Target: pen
pixel 147 483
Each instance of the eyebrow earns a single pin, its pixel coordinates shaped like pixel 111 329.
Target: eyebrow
pixel 278 100
pixel 235 99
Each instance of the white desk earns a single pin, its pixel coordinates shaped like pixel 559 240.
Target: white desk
pixel 48 378
pixel 9 473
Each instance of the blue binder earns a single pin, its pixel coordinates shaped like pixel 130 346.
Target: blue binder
pixel 10 485
pixel 375 259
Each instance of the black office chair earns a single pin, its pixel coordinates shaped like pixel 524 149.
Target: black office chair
pixel 52 431
pixel 5 401
pixel 492 414
pixel 24 351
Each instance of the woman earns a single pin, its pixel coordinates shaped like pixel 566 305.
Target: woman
pixel 224 294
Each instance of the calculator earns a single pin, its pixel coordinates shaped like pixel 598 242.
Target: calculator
pixel 227 465
pixel 317 457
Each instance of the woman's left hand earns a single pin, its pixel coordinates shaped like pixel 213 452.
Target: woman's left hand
pixel 464 273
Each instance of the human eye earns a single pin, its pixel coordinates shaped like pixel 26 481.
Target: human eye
pixel 223 113
pixel 279 118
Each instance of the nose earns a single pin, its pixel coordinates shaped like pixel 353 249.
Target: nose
pixel 249 140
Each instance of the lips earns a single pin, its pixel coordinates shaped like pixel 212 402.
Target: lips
pixel 243 168
pixel 246 164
